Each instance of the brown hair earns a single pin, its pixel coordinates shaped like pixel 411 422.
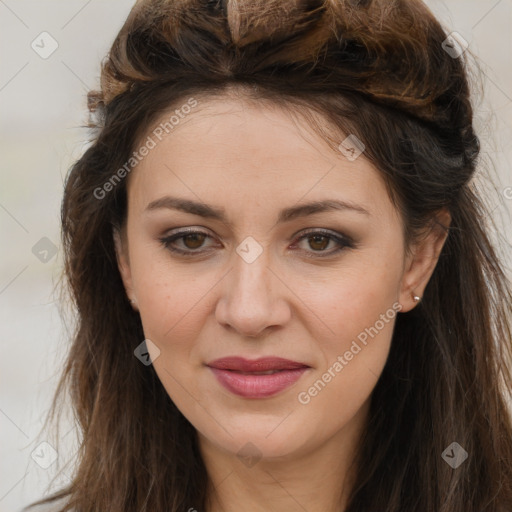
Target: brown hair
pixel 376 69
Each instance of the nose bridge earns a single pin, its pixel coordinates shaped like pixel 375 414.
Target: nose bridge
pixel 249 303
pixel 250 278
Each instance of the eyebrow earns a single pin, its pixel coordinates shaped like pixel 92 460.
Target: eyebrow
pixel 285 215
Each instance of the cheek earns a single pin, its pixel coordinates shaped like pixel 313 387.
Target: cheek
pixel 172 308
pixel 357 311
pixel 170 295
pixel 352 355
pixel 351 298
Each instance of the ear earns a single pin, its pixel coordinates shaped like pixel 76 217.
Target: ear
pixel 422 260
pixel 123 263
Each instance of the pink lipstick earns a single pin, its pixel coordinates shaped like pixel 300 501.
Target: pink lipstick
pixel 258 378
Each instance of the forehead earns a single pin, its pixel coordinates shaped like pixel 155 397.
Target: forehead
pixel 229 148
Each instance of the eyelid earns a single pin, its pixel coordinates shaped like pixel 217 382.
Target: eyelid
pixel 343 241
pixel 324 231
pixel 179 233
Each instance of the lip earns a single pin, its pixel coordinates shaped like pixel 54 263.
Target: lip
pixel 240 375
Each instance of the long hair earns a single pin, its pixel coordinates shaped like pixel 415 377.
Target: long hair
pixel 380 70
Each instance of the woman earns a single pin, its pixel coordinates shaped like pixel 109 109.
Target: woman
pixel 286 296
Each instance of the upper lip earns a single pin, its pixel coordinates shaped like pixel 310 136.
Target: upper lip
pixel 256 365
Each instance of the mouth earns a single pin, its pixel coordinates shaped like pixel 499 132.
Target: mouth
pixel 260 378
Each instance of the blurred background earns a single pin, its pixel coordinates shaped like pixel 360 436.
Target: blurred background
pixel 50 54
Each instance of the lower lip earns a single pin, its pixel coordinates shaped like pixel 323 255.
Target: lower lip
pixel 257 386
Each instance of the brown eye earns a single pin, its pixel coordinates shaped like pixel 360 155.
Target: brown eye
pixel 185 242
pixel 318 242
pixel 194 240
pixel 191 243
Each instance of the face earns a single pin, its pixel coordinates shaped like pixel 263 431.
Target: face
pixel 224 260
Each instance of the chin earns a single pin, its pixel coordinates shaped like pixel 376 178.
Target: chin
pixel 259 439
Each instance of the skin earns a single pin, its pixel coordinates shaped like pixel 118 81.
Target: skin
pixel 252 161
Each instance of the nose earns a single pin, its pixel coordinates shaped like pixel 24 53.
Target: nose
pixel 254 299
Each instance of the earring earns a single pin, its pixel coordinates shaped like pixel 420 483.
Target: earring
pixel 415 298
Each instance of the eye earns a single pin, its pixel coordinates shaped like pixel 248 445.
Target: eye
pixel 318 240
pixel 191 239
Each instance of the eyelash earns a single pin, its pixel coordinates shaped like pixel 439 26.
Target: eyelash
pixel 343 242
